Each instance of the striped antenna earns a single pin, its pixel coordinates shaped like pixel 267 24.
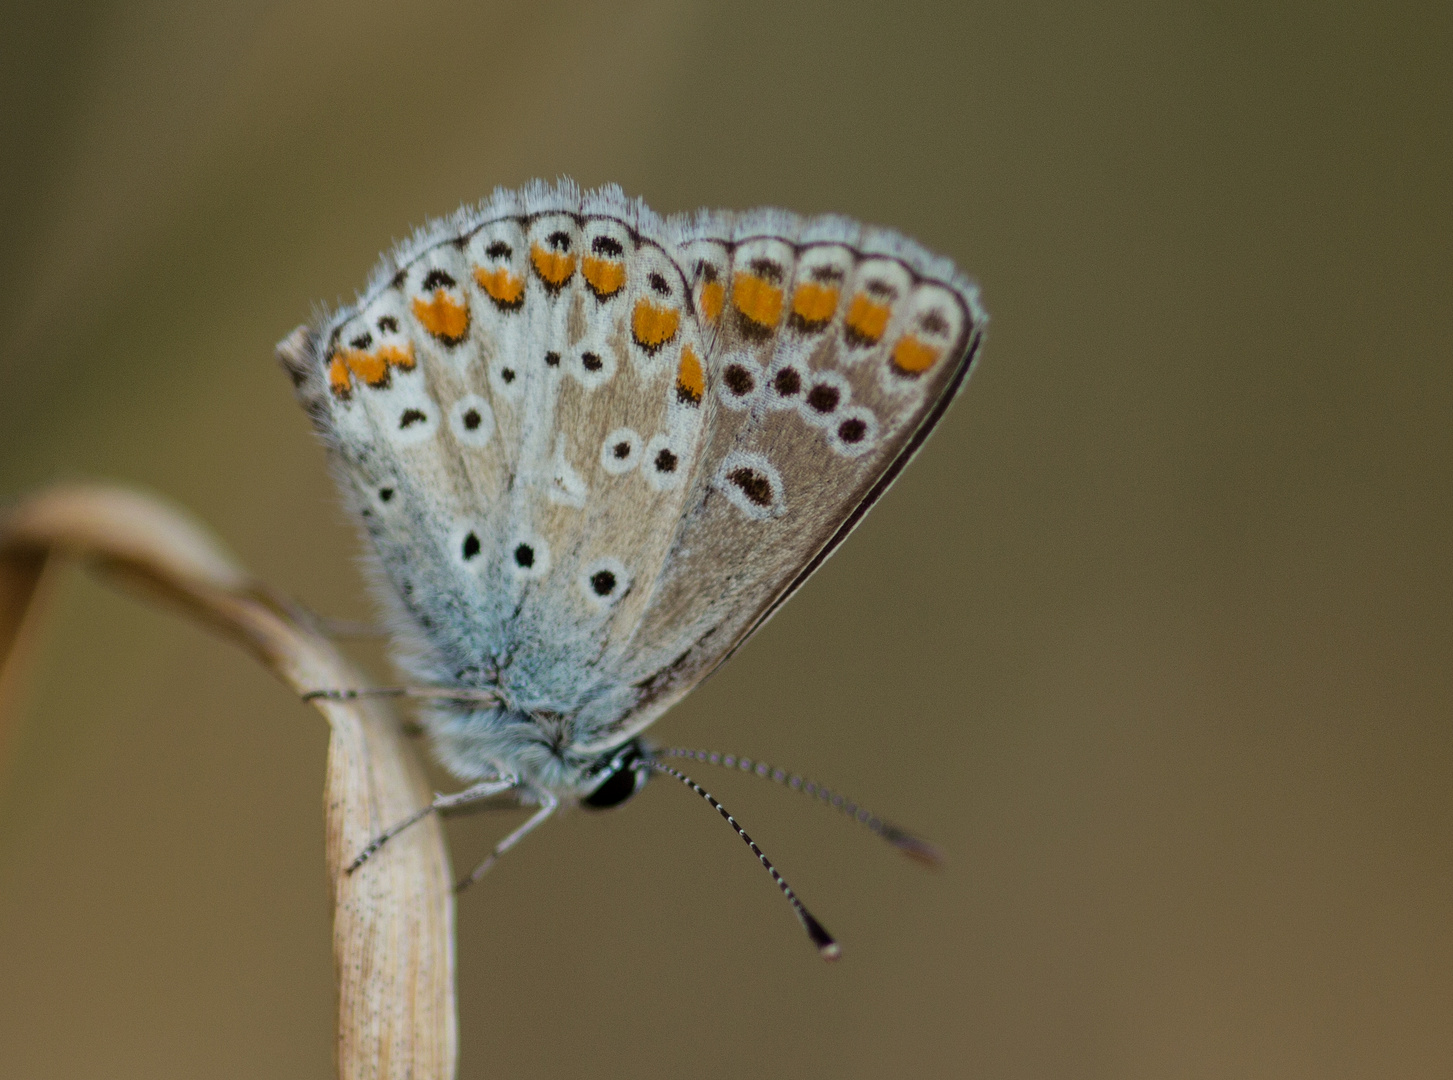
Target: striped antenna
pixel 827 948
pixel 919 850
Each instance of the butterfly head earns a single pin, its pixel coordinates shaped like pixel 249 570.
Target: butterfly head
pixel 618 776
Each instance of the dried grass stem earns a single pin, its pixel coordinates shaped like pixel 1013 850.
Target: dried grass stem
pixel 393 923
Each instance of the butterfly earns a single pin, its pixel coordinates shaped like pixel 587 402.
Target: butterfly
pixel 593 450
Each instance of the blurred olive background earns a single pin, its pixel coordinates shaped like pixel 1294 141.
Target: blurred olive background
pixel 1153 638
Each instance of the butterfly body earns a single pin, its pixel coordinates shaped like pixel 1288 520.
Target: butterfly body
pixel 594 449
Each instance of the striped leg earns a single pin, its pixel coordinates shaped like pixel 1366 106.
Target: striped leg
pixel 482 790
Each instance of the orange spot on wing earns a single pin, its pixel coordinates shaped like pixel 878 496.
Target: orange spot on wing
pixel 713 296
pixel 443 316
pixel 399 356
pixel 913 357
pixel 604 276
pixel 867 320
pixel 339 381
pixel 690 379
pixel 554 267
pixel 503 288
pixel 757 298
pixel 814 304
pixel 369 367
pixel 653 326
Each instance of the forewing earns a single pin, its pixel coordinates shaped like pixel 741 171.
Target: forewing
pixel 516 409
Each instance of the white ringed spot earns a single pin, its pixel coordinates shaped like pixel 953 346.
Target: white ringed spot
pixel 592 366
pixel 412 423
pixel 528 556
pixel 471 420
pixel 752 484
pixel 621 451
pixel 466 545
pixel 664 466
pixel 785 386
pixel 854 431
pixel 604 582
pixel 738 382
pixel 824 396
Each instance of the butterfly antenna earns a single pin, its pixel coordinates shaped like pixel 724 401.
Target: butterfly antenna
pixel 422 693
pixel 919 850
pixel 827 948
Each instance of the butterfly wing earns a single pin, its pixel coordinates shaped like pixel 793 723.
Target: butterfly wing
pixel 514 406
pixel 833 351
pixel 593 450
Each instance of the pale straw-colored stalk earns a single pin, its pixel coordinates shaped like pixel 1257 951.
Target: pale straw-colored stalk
pixel 393 920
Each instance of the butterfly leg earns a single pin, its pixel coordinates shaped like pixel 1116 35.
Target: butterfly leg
pixel 548 804
pixel 348 628
pixel 441 804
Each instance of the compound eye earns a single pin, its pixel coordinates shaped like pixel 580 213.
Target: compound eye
pixel 623 782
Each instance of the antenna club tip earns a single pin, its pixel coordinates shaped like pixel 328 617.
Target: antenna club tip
pixel 827 948
pixel 923 854
pixel 920 851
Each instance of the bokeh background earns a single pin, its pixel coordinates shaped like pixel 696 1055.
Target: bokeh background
pixel 1153 638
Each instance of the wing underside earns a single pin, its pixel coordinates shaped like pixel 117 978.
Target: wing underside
pixel 594 450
